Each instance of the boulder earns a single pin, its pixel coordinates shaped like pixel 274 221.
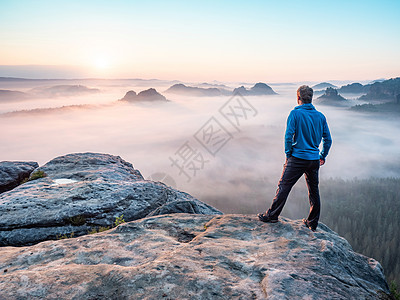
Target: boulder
pixel 184 256
pixel 12 173
pixel 82 192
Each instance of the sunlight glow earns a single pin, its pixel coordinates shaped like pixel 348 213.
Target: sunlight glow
pixel 101 62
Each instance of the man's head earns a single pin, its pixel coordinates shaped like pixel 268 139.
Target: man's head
pixel 304 94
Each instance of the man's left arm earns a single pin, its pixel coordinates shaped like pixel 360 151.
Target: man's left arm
pixel 290 131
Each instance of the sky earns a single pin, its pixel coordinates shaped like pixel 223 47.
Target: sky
pixel 269 41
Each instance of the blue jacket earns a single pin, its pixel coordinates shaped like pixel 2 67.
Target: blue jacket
pixel 305 129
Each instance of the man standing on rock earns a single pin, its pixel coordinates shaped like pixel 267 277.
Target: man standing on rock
pixel 305 129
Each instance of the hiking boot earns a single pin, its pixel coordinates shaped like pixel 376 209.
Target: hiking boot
pixel 266 219
pixel 308 225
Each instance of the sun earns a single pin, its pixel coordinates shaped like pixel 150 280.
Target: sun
pixel 101 62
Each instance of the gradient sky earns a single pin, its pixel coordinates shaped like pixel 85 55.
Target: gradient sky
pixel 203 40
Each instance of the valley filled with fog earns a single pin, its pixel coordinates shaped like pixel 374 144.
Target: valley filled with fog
pixel 239 174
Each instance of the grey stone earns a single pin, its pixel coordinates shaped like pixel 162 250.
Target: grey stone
pixel 184 256
pixel 81 192
pixel 13 172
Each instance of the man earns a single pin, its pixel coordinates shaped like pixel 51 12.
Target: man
pixel 305 129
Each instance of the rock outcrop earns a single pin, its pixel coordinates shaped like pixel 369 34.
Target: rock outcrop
pixel 146 95
pixel 184 256
pixel 82 192
pixel 12 173
pixel 331 97
pixel 259 89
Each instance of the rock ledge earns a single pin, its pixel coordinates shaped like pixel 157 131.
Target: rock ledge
pixel 184 256
pixel 83 191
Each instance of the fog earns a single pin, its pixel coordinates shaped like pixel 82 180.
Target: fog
pixel 241 174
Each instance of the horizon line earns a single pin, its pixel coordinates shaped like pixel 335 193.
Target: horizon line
pixel 11 78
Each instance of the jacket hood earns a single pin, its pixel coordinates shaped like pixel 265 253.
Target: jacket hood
pixel 307 106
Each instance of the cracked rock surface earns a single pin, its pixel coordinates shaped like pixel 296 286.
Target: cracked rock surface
pixel 188 256
pixel 85 191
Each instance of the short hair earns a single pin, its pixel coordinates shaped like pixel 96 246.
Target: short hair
pixel 305 93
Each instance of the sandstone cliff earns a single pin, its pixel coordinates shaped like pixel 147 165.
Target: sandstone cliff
pixel 172 247
pixel 82 192
pixel 184 256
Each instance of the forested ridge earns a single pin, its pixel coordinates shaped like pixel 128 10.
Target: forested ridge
pixel 366 212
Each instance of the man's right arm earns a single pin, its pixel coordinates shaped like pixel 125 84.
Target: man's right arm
pixel 326 142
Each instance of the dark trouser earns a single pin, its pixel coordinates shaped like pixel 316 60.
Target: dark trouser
pixel 293 169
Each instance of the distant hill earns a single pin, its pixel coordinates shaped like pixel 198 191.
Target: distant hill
pixel 47 91
pixel 63 90
pixel 331 97
pixel 8 95
pixel 146 95
pixel 389 107
pixel 13 79
pixel 377 80
pixel 182 89
pixel 323 85
pixel 213 85
pixel 354 88
pixel 259 89
pixel 385 90
pixel 129 96
pixel 42 111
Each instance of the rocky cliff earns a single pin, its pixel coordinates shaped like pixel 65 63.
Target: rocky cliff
pixel 83 192
pixel 184 256
pixel 173 246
